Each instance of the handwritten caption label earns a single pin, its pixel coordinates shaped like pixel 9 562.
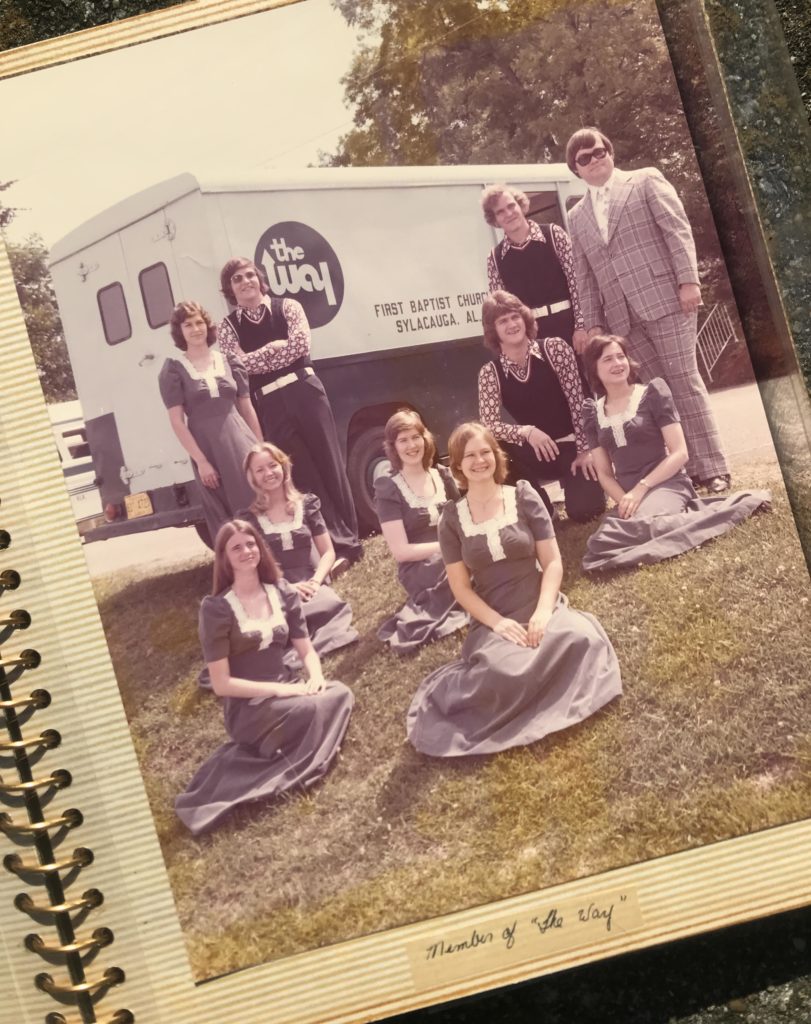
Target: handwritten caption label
pixel 531 935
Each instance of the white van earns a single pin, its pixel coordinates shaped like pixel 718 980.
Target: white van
pixel 389 264
pixel 67 424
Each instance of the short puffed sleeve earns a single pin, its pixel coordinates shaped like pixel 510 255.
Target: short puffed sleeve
pixel 660 404
pixel 170 382
pixel 533 511
pixel 388 503
pixel 215 621
pixel 450 535
pixel 451 490
pixel 240 375
pixel 291 606
pixel 589 416
pixel 312 515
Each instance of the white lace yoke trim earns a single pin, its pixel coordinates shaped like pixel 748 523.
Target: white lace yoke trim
pixel 491 528
pixel 286 529
pixel 432 503
pixel 616 423
pixel 208 377
pixel 263 626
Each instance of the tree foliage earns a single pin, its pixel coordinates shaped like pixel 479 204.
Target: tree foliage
pixel 29 264
pixel 508 81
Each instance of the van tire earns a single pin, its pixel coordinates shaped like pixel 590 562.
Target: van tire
pixel 364 456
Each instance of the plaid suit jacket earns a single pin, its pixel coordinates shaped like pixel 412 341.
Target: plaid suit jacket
pixel 649 253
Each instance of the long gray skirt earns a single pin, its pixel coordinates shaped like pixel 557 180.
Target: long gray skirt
pixel 430 612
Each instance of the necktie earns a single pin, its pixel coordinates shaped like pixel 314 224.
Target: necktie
pixel 602 211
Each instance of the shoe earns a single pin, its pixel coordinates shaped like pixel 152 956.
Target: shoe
pixel 340 567
pixel 716 484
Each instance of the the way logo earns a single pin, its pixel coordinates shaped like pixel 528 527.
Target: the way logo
pixel 301 264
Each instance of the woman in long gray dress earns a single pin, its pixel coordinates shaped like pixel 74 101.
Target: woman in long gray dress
pixel 409 503
pixel 639 452
pixel 530 665
pixel 292 526
pixel 206 396
pixel 285 733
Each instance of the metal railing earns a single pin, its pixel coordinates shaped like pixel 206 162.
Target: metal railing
pixel 714 335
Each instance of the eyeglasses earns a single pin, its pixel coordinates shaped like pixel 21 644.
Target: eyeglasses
pixel 247 275
pixel 584 159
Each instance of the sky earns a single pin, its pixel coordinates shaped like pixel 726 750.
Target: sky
pixel 254 94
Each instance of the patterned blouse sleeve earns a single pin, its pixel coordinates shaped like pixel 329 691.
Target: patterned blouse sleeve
pixel 563 251
pixel 562 360
pixel 490 407
pixel 533 511
pixel 590 423
pixel 493 277
pixel 170 384
pixel 312 515
pixel 387 500
pixel 451 488
pixel 291 605
pixel 450 542
pixel 215 628
pixel 659 401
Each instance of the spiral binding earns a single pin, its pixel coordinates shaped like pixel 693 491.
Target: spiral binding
pixel 71 951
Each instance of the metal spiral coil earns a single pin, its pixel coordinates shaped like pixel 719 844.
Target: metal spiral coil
pixel 43 834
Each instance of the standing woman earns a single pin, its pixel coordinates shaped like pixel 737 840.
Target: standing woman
pixel 285 733
pixel 530 664
pixel 272 338
pixel 409 503
pixel 291 524
pixel 640 453
pixel 210 410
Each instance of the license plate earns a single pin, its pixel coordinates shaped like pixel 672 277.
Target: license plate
pixel 138 505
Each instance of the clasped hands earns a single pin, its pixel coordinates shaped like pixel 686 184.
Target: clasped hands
pixel 529 636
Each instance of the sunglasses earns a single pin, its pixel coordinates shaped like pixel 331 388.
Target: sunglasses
pixel 247 275
pixel 584 159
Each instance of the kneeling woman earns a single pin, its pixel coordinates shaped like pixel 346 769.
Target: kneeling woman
pixel 409 503
pixel 639 451
pixel 530 664
pixel 291 525
pixel 285 733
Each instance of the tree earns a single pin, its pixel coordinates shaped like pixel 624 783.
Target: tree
pixel 489 81
pixel 29 264
pixel 7 213
pixel 29 21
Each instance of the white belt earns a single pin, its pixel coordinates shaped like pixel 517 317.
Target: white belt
pixel 556 307
pixel 560 440
pixel 288 378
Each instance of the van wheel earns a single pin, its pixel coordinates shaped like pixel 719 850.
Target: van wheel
pixel 366 462
pixel 204 535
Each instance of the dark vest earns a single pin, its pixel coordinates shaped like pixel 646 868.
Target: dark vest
pixel 252 336
pixel 539 400
pixel 533 273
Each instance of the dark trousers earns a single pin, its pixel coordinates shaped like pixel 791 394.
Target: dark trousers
pixel 583 498
pixel 298 419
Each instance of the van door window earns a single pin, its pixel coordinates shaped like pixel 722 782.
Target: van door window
pixel 156 291
pixel 115 317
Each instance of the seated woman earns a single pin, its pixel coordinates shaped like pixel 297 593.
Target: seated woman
pixel 538 383
pixel 291 525
pixel 209 407
pixel 409 503
pixel 530 664
pixel 285 733
pixel 639 451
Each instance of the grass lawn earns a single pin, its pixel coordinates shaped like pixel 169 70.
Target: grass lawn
pixel 711 739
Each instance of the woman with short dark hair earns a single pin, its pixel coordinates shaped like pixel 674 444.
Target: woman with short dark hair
pixel 530 665
pixel 640 452
pixel 210 411
pixel 285 732
pixel 409 502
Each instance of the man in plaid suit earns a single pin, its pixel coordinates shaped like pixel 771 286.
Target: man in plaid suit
pixel 635 261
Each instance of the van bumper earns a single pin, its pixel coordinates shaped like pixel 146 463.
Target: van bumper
pixel 144 524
